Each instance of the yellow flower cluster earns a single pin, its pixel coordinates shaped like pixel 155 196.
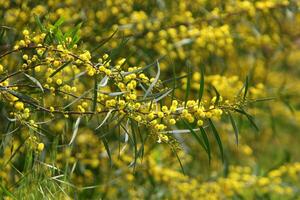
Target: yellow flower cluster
pixel 76 115
pixel 56 77
pixel 240 181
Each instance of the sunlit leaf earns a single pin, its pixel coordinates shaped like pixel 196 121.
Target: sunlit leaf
pixel 75 130
pixel 105 119
pixel 154 82
pixel 35 81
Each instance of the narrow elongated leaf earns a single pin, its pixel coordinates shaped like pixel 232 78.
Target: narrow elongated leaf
pixel 60 68
pixel 116 51
pixel 246 87
pixel 2 31
pixel 201 89
pixel 141 69
pixel 217 137
pixel 114 94
pixel 142 148
pixel 77 99
pixel 118 124
pixel 163 95
pixel 196 136
pixel 175 78
pixel 15 152
pixel 235 128
pixel 73 33
pixel 249 117
pixel 95 93
pixel 105 119
pixel 103 82
pixel 75 130
pixel 206 142
pixel 154 82
pixel 105 40
pixel 106 146
pixel 180 131
pixel 35 81
pixel 6 192
pixel 180 163
pixel 134 140
pixel 39 23
pixel 59 22
pixel 287 103
pixel 217 96
pixel 59 36
pixel 125 141
pixel 22 96
pixel 263 99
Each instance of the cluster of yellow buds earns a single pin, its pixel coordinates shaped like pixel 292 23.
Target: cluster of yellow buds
pixel 34 144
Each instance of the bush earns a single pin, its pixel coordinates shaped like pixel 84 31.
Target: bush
pixel 149 100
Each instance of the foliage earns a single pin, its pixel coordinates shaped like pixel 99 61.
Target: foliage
pixel 136 99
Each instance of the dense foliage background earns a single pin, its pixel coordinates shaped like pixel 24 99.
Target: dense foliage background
pixel 162 99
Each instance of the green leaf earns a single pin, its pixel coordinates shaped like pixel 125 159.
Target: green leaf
pixel 142 148
pixel 39 23
pixel 154 82
pixel 105 142
pixel 163 95
pixel 59 36
pixel 206 142
pixel 122 46
pixel 217 96
pixel 75 130
pixel 201 89
pixel 187 125
pixel 22 96
pixel 6 192
pixel 34 80
pixel 249 117
pixel 217 137
pixel 95 93
pixel 287 103
pixel 14 153
pixel 134 140
pixel 235 128
pixel 246 85
pixel 263 99
pixel 103 82
pixel 2 31
pixel 105 119
pixel 111 130
pixel 78 98
pixel 60 68
pixel 104 41
pixel 73 33
pixel 141 69
pixel 115 94
pixel 59 22
pixel 180 163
